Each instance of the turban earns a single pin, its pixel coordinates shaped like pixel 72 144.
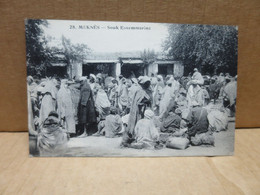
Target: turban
pixel 183 91
pixel 113 110
pixel 134 80
pixel 194 103
pixel 178 111
pixel 144 79
pixel 93 76
pixel 160 77
pixel 148 114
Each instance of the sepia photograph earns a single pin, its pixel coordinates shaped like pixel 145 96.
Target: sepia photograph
pixel 130 89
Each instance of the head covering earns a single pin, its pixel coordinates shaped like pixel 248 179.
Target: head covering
pixel 93 76
pixel 195 69
pixel 43 83
pixel 194 103
pixel 54 114
pixel 134 80
pixel 99 75
pixel 144 79
pixel 167 77
pixel 113 110
pixel 114 81
pixel 170 81
pixel 140 78
pixel 161 82
pixel 227 77
pixel 148 114
pixel 56 82
pixel 30 78
pixel 40 89
pixel 82 78
pixel 227 74
pixel 193 82
pixel 182 91
pixel 110 85
pixel 178 111
pixel 160 77
pixel 50 87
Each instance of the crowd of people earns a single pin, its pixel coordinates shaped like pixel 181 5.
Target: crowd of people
pixel 147 112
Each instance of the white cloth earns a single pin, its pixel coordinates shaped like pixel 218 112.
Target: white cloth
pixel 198 78
pixel 48 103
pixel 218 120
pixel 230 91
pixel 195 94
pixel 66 108
pixel 168 95
pixel 146 132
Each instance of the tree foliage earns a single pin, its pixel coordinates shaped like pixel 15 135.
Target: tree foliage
pixel 212 49
pixel 36 55
pixel 74 53
pixel 148 55
pixel 43 51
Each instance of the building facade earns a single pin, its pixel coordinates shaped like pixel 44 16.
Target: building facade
pixel 128 67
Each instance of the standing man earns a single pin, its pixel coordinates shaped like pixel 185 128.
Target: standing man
pixel 86 111
pixel 141 100
pixel 197 77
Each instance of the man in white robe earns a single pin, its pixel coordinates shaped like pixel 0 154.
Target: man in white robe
pixel 145 133
pixel 66 109
pixel 48 102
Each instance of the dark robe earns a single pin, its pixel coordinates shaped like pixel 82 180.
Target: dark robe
pixel 86 109
pixel 197 121
pixel 171 123
pixel 214 90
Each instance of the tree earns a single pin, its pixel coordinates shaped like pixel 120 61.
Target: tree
pixel 36 55
pixel 212 49
pixel 74 53
pixel 148 55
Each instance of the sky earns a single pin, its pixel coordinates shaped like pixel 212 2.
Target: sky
pixel 110 36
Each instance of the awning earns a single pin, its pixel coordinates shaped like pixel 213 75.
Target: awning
pixel 132 61
pixel 99 61
pixel 164 62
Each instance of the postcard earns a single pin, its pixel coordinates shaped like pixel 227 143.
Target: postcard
pixel 105 89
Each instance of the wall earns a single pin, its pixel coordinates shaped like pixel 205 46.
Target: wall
pixel 244 13
pixel 178 69
pixel 152 68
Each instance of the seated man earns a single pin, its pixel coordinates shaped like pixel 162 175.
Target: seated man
pixel 112 124
pixel 145 133
pixel 171 123
pixel 198 124
pixel 52 140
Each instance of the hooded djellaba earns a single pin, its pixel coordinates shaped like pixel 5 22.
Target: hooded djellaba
pixel 52 140
pixel 66 108
pixel 48 104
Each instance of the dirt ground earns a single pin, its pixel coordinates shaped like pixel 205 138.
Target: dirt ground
pixel 101 146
